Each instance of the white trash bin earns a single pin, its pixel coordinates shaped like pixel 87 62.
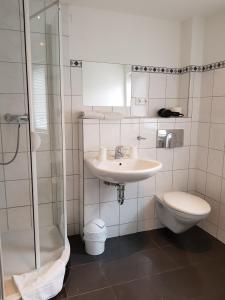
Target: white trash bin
pixel 95 235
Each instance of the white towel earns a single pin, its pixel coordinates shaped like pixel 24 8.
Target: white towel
pixel 46 282
pixel 102 115
pixel 92 115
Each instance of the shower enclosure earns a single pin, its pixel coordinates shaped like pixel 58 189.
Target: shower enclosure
pixel 34 245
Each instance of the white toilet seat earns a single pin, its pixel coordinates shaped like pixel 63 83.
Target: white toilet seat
pixel 185 204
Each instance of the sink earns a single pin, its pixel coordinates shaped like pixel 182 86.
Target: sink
pixel 123 170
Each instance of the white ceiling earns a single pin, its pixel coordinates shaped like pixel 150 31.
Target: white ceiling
pixel 169 9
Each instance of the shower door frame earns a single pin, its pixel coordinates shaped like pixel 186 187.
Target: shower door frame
pixel 33 158
pixel 32 127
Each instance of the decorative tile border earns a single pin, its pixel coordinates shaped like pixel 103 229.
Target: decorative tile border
pixel 76 63
pixel 165 70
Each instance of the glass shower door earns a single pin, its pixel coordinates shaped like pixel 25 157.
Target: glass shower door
pixel 47 125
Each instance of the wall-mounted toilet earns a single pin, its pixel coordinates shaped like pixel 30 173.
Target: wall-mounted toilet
pixel 180 211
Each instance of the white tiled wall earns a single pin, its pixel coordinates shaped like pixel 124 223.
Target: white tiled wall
pixel 138 211
pixel 207 150
pixel 15 189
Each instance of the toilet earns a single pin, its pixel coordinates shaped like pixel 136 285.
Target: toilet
pixel 180 211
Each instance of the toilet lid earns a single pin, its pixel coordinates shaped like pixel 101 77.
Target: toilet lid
pixel 187 203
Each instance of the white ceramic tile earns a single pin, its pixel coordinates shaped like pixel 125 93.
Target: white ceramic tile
pixel 180 180
pixel 139 110
pixel 195 109
pixel 146 208
pixel 107 192
pixel 197 85
pixel 218 110
pixel 44 164
pixel 18 169
pixel 3 220
pixel 91 191
pixel 11 78
pixel 11 46
pixel 11 103
pixel 200 182
pixel 67 82
pixel 165 156
pixel 181 158
pixel 203 134
pixel 69 135
pixel 128 228
pixel 157 86
pixel 154 105
pixel 112 231
pixel 131 190
pixel 146 187
pixel 39 48
pixel 18 193
pixel 217 136
pixel 219 88
pixel 148 131
pixel 213 186
pixel 184 85
pixel 76 207
pixel 193 156
pixel 206 84
pixel 194 133
pixel 163 182
pixel 76 81
pixel 76 186
pixel 209 227
pixel 205 107
pixel 19 218
pixel 45 190
pixel 69 162
pixel 70 212
pixel 109 135
pixel 91 212
pixel 75 136
pixel 186 126
pixel 2 195
pixel 66 56
pixel 129 134
pixel 109 212
pixel 222 217
pixel 214 214
pixel 149 224
pixel 45 214
pixel 10 135
pixel 221 235
pixel 202 158
pixel 215 162
pixel 192 179
pixel 128 211
pixel 147 153
pixel 140 84
pixel 91 137
pixel 172 86
pixel 9 15
pixel 68 109
pixel 37 24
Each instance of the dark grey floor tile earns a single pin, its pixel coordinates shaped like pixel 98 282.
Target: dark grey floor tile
pixel 85 278
pixel 136 290
pixel 191 282
pixel 104 294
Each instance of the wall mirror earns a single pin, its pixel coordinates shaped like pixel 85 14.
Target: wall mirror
pixel 106 84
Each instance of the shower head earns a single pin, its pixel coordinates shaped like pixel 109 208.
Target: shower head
pixel 10 118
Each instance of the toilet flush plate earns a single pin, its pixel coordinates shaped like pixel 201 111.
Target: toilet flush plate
pixel 176 139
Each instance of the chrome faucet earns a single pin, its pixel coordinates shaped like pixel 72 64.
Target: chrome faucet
pixel 119 153
pixel 169 137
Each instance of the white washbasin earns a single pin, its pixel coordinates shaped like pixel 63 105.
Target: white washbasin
pixel 123 170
